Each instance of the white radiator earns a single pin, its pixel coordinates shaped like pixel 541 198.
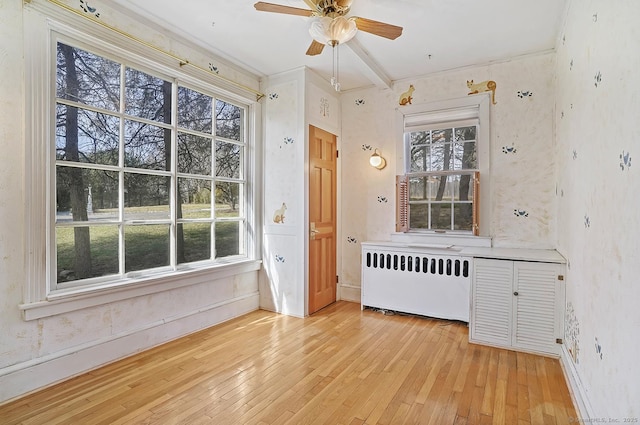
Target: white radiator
pixel 416 280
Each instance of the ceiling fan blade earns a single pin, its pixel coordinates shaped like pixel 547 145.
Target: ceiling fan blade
pixel 315 48
pixel 276 8
pixel 378 28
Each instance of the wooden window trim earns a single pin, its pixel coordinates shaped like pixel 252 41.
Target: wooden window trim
pixel 402 203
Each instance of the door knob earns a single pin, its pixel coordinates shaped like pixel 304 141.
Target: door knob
pixel 313 231
pixel 515 293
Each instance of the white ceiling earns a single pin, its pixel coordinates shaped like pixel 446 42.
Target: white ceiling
pixel 438 35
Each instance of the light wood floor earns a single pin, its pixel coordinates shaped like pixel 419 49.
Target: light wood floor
pixel 340 366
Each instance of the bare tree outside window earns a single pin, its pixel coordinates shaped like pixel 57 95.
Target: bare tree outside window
pixel 442 162
pixel 126 175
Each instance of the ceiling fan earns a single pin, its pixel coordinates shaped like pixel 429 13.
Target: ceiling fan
pixel 330 24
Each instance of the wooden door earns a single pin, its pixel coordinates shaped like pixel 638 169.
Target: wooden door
pixel 322 218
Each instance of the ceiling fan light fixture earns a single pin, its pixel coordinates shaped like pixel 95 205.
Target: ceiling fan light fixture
pixel 332 31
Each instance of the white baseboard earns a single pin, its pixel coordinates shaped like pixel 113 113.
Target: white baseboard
pixel 26 377
pixel 577 390
pixel 349 293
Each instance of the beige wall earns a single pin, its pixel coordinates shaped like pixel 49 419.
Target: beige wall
pixel 596 114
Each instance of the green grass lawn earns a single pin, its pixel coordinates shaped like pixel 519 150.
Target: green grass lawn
pixel 147 246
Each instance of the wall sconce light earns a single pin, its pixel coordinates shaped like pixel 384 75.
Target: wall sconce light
pixel 377 161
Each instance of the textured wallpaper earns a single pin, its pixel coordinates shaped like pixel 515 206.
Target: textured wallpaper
pixel 282 285
pixel 596 115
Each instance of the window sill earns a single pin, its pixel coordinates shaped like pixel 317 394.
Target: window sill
pixel 461 240
pixel 64 301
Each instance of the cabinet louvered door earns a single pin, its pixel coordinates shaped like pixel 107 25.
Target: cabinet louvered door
pixel 492 302
pixel 536 324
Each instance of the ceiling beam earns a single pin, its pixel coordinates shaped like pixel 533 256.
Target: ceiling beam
pixel 369 67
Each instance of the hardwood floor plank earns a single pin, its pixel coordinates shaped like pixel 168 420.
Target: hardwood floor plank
pixel 490 384
pixel 434 372
pixel 460 421
pixel 512 379
pixel 524 413
pixel 400 414
pixel 500 395
pixel 463 370
pixel 469 384
pixel 448 412
pixel 341 366
pixel 535 392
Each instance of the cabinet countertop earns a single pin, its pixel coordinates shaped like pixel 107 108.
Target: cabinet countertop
pixel 517 254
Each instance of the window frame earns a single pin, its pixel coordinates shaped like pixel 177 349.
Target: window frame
pixel 459 172
pixel 44 26
pixel 174 175
pixel 443 114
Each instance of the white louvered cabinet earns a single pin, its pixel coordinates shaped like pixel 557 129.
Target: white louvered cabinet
pixel 517 305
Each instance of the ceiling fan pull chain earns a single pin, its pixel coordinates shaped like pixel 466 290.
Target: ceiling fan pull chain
pixel 337 68
pixel 335 79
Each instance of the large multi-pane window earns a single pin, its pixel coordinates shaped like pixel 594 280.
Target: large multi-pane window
pixel 150 174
